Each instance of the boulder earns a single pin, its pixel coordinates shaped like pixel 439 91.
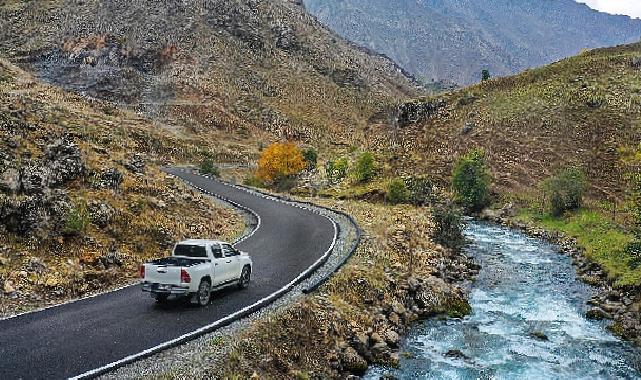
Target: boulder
pixel 10 181
pixel 110 179
pixel 392 338
pixel 101 213
pixel 64 162
pixel 353 362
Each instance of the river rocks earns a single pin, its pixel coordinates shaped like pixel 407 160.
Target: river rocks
pixel 538 335
pixel 353 362
pixel 392 338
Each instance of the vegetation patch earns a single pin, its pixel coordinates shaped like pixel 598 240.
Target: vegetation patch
pixel 604 242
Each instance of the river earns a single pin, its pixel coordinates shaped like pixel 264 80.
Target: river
pixel 527 321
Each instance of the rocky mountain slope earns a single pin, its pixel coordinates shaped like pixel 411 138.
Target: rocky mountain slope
pixel 256 69
pixel 453 40
pixel 583 111
pixel 82 199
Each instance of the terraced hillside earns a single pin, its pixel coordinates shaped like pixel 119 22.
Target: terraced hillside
pixel 583 111
pixel 82 199
pixel 256 69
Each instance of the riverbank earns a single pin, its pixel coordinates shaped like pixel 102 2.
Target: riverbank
pixel 358 318
pixel 618 295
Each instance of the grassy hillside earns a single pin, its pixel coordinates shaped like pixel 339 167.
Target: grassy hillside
pixel 580 111
pixel 82 199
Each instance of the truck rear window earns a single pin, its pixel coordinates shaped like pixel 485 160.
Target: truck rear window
pixel 190 250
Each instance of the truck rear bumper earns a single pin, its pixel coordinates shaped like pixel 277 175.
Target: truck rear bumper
pixel 164 289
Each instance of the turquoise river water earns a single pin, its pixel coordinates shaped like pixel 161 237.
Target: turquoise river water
pixel 527 321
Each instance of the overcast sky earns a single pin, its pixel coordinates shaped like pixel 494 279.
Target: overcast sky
pixel 625 7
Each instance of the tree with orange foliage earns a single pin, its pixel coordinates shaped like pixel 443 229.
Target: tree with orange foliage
pixel 280 162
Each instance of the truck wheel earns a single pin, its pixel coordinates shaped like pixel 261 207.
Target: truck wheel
pixel 204 293
pixel 162 298
pixel 245 277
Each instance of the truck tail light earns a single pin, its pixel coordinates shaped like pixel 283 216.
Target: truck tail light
pixel 185 278
pixel 142 271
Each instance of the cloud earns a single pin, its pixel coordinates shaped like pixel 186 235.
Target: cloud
pixel 631 8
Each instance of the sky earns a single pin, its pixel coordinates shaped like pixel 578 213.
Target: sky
pixel 631 8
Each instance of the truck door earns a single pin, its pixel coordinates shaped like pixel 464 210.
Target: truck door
pixel 218 265
pixel 231 258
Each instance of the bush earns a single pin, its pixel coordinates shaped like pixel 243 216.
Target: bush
pixel 76 221
pixel 311 158
pixel 253 181
pixel 397 191
pixel 337 170
pixel 208 167
pixel 564 191
pixel 280 162
pixel 365 167
pixel 485 75
pixel 421 191
pixel 448 225
pixel 471 181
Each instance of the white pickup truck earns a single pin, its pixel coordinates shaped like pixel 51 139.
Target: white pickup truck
pixel 195 268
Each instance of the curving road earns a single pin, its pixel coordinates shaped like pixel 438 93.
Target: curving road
pixel 71 339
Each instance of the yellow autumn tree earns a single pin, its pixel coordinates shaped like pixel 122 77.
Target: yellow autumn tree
pixel 280 161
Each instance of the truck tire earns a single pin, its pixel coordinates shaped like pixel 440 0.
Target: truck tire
pixel 162 298
pixel 245 277
pixel 203 296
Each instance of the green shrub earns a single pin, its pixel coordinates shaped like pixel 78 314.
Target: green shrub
pixel 564 191
pixel 485 75
pixel 76 220
pixel 311 158
pixel 208 167
pixel 448 225
pixel 397 191
pixel 253 181
pixel 471 181
pixel 365 167
pixel 421 191
pixel 337 170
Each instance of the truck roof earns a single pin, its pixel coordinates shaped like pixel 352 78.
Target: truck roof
pixel 201 242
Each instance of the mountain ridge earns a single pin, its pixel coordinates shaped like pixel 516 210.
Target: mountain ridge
pixel 503 36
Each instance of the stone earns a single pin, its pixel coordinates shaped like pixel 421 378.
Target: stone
pixel 353 362
pixel 539 336
pixel 375 338
pixel 8 287
pixel 10 181
pixel 110 179
pixel 454 353
pixel 392 338
pixel 597 313
pixel 380 349
pixel 467 128
pixel 136 164
pixel 101 213
pixel 64 162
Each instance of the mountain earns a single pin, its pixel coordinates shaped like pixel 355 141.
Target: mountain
pixel 257 70
pixel 454 40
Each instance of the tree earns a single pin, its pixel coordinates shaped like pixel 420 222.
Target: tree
pixel 310 156
pixel 471 181
pixel 564 191
pixel 485 75
pixel 337 169
pixel 280 162
pixel 448 225
pixel 397 191
pixel 365 167
pixel 208 167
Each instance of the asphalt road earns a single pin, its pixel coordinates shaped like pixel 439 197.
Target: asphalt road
pixel 71 339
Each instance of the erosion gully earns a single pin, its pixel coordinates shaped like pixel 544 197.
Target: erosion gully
pixel 527 321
